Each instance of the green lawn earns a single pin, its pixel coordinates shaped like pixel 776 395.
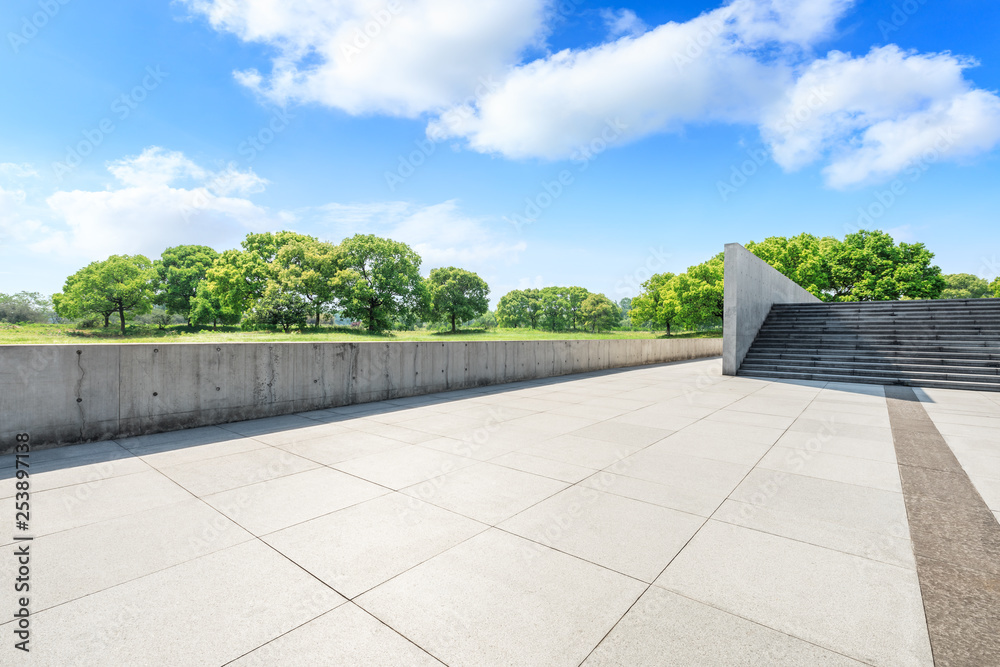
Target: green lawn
pixel 11 334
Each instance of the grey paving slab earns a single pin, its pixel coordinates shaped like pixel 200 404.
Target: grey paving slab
pixel 834 467
pixel 625 535
pixel 67 473
pixel 703 482
pixel 867 610
pixel 206 611
pixel 486 492
pixel 235 470
pixel 190 436
pixel 258 427
pixel 90 502
pixel 732 415
pixel 345 636
pixel 545 607
pixel 578 450
pixel 631 435
pixel 664 629
pixel 344 447
pixel 312 431
pixel 403 467
pixel 360 547
pixel 854 519
pixel 875 450
pixel 285 501
pixel 76 455
pixel 168 454
pixel 654 417
pixel 715 447
pixel 769 405
pixel 760 434
pixel 88 559
pixel 536 465
pixel 552 423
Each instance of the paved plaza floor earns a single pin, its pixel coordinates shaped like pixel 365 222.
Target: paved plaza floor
pixel 664 515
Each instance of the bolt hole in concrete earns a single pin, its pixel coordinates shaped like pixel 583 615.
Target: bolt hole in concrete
pixel 155 394
pixel 218 389
pixel 79 400
pixel 79 351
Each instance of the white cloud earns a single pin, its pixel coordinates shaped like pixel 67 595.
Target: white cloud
pixel 17 220
pixel 147 211
pixel 440 233
pixel 875 115
pixel 623 22
pixel 747 62
pixel 703 70
pixel 397 57
pixel 17 171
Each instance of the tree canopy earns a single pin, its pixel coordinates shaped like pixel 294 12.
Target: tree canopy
pixel 456 295
pixel 179 271
pixel 122 284
pixel 379 282
pixel 965 286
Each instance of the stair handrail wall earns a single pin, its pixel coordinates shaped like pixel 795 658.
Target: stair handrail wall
pixel 751 287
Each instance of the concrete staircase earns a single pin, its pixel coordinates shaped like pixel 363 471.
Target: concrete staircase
pixel 950 343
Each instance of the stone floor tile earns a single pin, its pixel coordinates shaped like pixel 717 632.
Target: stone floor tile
pixel 546 607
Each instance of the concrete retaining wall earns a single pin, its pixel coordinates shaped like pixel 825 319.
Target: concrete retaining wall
pixel 63 394
pixel 752 286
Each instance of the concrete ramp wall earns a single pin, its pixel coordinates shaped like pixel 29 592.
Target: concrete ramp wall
pixel 63 394
pixel 752 286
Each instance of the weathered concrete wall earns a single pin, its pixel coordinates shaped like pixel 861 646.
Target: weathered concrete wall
pixel 63 394
pixel 752 286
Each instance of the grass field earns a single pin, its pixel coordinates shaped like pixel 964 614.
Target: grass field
pixel 25 334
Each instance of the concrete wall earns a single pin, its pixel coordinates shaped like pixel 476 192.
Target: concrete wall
pixel 752 286
pixel 63 394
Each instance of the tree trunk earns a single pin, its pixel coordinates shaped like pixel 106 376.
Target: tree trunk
pixel 121 314
pixel 668 328
pixel 453 322
pixel 317 316
pixel 107 319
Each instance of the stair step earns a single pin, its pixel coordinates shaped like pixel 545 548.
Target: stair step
pixel 861 379
pixel 930 360
pixel 945 373
pixel 946 343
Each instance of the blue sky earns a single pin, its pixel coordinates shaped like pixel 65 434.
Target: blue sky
pixel 130 127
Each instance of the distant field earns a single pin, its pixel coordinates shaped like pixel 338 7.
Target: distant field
pixel 62 333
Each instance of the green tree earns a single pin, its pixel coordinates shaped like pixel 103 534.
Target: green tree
pixel 279 308
pixel 965 286
pixel 511 309
pixel 698 293
pixel 379 281
pixel 575 297
pixel 995 286
pixel 869 266
pixel 555 307
pixel 24 307
pixel 599 313
pixel 179 271
pixel 655 306
pixel 239 277
pixel 120 284
pixel 456 295
pixel 626 307
pixel 804 259
pixel 207 308
pixel 308 267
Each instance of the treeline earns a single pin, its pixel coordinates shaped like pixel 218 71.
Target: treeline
pixel 864 266
pixel 558 309
pixel 277 280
